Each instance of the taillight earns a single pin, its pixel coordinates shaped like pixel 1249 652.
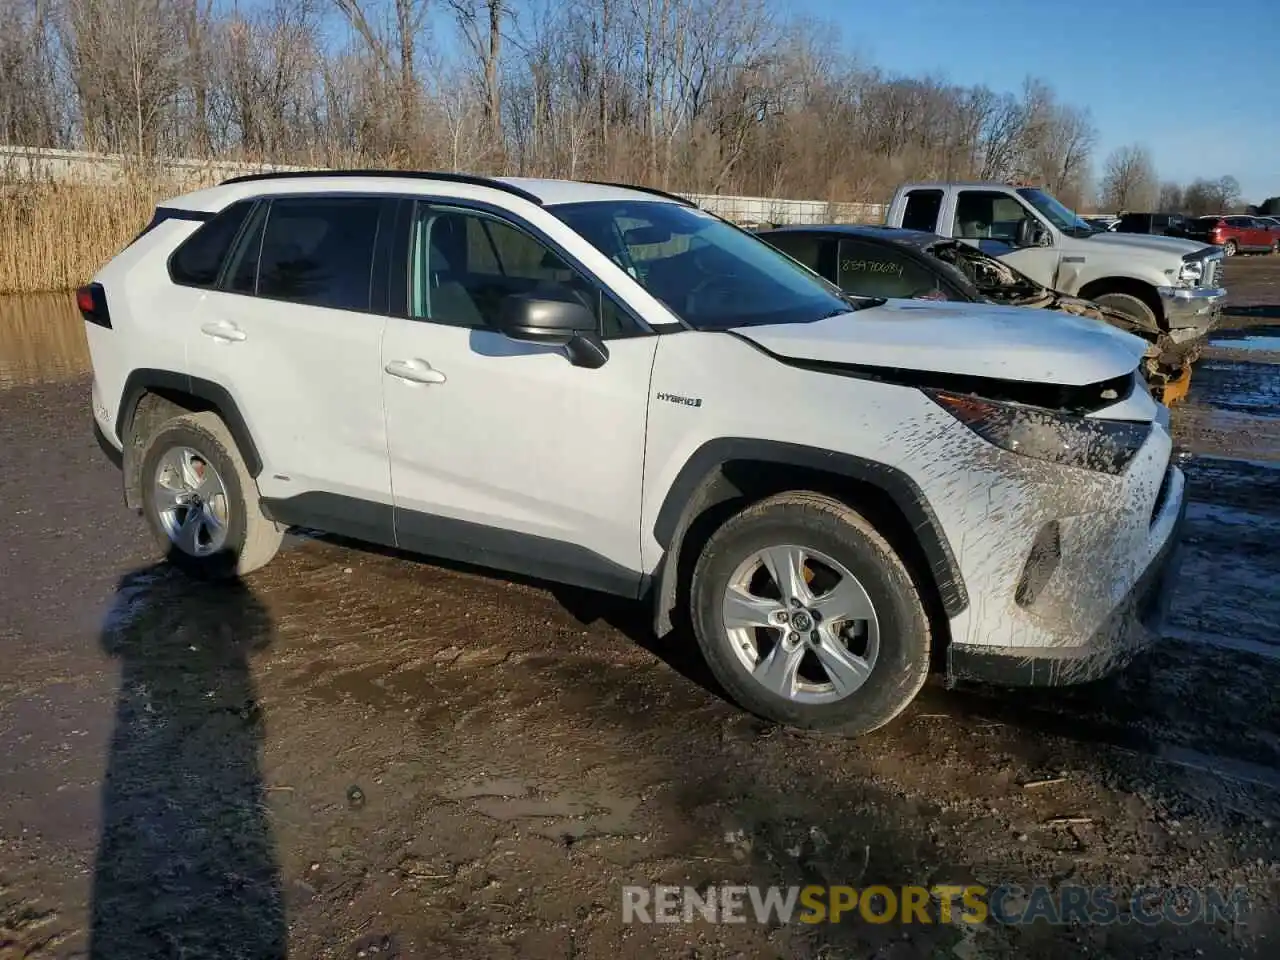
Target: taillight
pixel 92 301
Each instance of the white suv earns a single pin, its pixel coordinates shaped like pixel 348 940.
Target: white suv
pixel 606 386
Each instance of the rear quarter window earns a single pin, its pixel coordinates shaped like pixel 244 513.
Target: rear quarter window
pixel 198 259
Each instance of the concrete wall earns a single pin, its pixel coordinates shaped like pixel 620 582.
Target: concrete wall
pixel 26 164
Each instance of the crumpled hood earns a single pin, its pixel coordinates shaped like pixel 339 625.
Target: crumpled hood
pixel 974 339
pixel 1179 246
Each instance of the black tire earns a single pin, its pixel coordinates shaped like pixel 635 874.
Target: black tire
pixel 251 539
pixel 1230 248
pixel 1130 306
pixel 816 522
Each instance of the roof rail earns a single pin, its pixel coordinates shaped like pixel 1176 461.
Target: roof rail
pixel 652 190
pixel 467 178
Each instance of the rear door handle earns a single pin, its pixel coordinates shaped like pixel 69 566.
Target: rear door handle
pixel 415 371
pixel 222 330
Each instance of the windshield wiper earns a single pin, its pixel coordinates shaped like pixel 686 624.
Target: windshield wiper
pixel 858 303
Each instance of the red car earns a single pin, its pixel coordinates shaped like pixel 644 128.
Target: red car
pixel 1236 234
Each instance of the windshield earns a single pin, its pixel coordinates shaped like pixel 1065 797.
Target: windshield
pixel 1062 218
pixel 710 274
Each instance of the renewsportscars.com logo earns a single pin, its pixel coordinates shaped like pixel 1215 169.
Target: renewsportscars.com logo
pixel 941 903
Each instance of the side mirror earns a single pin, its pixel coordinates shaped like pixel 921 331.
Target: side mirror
pixel 1032 234
pixel 559 323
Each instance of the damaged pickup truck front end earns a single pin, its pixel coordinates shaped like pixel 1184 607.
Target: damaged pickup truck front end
pixel 1167 363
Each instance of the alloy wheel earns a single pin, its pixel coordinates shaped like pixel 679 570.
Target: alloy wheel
pixel 801 623
pixel 191 501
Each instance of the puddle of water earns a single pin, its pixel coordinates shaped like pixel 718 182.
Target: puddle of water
pixel 1202 638
pixel 41 340
pixel 1259 343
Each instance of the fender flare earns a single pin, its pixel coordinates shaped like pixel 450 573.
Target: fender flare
pixel 215 395
pixel 693 490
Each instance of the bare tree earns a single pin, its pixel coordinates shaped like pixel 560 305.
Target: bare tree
pixel 395 50
pixel 1199 200
pixel 480 22
pixel 1059 155
pixel 126 57
pixel 266 85
pixel 1129 179
pixel 731 96
pixel 1204 197
pixel 1228 191
pixel 28 108
pixel 1170 197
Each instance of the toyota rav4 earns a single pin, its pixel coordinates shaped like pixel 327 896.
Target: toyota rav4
pixel 608 387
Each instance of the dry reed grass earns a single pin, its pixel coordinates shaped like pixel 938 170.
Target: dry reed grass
pixel 56 235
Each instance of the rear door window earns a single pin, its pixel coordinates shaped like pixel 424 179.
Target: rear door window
pixel 870 269
pixel 198 260
pixel 319 251
pixel 922 209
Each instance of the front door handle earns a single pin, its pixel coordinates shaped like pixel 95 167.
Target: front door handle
pixel 415 371
pixel 222 330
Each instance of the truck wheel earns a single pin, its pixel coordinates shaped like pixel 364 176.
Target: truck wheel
pixel 1229 249
pixel 807 617
pixel 200 501
pixel 1130 306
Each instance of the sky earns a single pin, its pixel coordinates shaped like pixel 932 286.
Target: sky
pixel 1197 83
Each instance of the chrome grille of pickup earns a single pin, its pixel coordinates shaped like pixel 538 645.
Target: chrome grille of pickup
pixel 1211 267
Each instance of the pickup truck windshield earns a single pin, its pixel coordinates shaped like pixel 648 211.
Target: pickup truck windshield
pixel 1062 218
pixel 710 274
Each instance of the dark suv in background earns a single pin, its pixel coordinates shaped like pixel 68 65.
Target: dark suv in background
pixel 1159 224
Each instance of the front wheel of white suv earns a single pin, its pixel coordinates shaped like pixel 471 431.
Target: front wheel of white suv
pixel 807 617
pixel 201 502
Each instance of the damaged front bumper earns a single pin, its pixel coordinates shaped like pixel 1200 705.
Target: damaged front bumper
pixel 1191 312
pixel 1135 623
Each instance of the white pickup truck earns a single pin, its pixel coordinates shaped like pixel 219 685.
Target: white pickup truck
pixel 1163 282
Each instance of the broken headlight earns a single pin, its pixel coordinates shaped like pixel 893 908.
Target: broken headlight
pixel 1066 438
pixel 1191 272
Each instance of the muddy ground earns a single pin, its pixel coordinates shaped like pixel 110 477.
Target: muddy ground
pixel 357 755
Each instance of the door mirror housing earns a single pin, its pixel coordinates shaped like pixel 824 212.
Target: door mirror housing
pixel 558 323
pixel 1031 233
pixel 538 320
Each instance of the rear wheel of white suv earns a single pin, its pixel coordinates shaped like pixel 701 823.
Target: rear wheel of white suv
pixel 807 617
pixel 201 502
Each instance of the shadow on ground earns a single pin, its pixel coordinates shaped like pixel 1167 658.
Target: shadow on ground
pixel 559 723
pixel 186 866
